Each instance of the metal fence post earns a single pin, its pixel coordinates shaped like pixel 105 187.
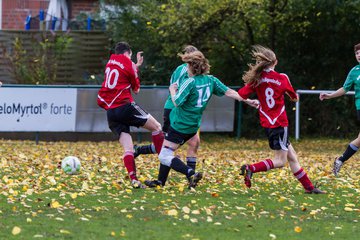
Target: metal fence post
pixel 297 119
pixel 238 106
pixel 41 19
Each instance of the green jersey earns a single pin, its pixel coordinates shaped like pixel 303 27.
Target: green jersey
pixel 353 79
pixel 191 99
pixel 178 76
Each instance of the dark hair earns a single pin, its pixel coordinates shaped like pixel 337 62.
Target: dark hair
pixel 189 49
pixel 122 47
pixel 357 47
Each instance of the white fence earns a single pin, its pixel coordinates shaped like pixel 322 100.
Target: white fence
pixel 297 111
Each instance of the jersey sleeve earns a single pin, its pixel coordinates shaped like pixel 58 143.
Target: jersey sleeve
pixel 183 91
pixel 289 90
pixel 246 91
pixel 135 80
pixel 349 82
pixel 219 88
pixel 179 73
pixel 132 74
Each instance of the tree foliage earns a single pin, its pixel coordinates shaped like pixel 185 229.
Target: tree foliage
pixel 313 39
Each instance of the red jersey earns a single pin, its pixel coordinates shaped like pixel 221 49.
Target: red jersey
pixel 270 93
pixel 121 75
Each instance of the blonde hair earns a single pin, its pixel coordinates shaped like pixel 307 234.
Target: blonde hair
pixel 197 62
pixel 265 58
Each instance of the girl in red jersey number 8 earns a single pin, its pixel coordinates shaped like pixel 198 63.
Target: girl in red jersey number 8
pixel 270 88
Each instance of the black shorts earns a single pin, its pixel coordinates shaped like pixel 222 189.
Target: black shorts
pixel 278 138
pixel 166 118
pixel 121 118
pixel 177 137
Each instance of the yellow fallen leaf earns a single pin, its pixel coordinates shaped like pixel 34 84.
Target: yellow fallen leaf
pixel 297 229
pixel 28 220
pixel 349 205
pixel 113 233
pixel 55 204
pixel 272 236
pixel 73 195
pixel 16 230
pixel 186 210
pixel 63 231
pixel 85 186
pixel 195 212
pixel 172 212
pixel 348 209
pixel 76 210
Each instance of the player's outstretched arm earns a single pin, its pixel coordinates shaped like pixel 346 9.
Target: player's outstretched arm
pixel 233 94
pixel 341 91
pixel 252 102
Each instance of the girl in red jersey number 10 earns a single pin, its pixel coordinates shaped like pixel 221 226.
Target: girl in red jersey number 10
pixel 270 88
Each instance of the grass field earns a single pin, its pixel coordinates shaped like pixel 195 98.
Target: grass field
pixel 39 201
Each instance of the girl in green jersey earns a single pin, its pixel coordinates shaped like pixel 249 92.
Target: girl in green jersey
pixel 353 79
pixel 190 100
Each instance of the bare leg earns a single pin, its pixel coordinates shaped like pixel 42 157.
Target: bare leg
pixel 193 146
pixel 293 160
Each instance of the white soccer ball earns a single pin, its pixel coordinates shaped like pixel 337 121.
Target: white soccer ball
pixel 71 165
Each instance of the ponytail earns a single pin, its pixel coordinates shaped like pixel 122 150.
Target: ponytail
pixel 265 58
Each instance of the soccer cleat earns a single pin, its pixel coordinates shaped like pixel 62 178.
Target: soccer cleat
pixel 136 151
pixel 337 166
pixel 153 183
pixel 137 184
pixel 246 172
pixel 194 179
pixel 315 190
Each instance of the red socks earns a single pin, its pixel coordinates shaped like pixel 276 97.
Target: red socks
pixel 267 164
pixel 157 139
pixel 304 179
pixel 130 165
pixel 263 166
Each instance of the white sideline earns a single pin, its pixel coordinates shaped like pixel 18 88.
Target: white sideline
pixel 297 107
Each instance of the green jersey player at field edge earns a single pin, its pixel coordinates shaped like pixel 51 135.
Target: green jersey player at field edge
pixel 353 79
pixel 190 100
